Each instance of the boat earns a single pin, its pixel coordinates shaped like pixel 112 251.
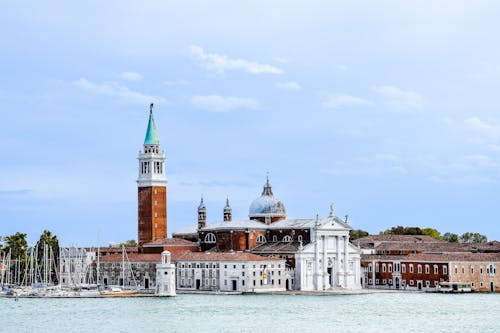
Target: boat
pixel 117 292
pixel 455 287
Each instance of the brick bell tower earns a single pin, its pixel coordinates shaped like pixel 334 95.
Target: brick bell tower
pixel 151 188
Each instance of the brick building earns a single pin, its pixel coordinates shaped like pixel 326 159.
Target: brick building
pixel 423 263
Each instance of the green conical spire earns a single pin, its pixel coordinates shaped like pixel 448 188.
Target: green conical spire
pixel 151 134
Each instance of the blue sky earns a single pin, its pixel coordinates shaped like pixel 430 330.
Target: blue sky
pixel 388 109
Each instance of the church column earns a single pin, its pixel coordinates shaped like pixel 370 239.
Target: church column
pixel 316 264
pixel 325 262
pixel 346 260
pixel 337 261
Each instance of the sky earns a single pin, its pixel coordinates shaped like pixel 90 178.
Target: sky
pixel 387 109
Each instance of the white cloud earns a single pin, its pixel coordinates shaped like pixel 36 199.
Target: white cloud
pixel 180 82
pixel 483 127
pixel 131 76
pixel 341 101
pixel 220 63
pixel 399 99
pixel 291 86
pixel 113 89
pixel 218 103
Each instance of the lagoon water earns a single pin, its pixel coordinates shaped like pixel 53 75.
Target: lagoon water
pixel 368 313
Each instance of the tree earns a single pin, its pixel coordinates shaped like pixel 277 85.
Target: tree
pixel 47 238
pixel 17 245
pixel 472 237
pixel 450 237
pixel 357 233
pixel 432 232
pixel 129 243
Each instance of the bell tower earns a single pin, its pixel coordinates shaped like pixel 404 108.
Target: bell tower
pixel 151 187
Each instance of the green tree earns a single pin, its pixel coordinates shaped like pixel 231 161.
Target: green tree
pixel 450 237
pixel 47 238
pixel 129 243
pixel 17 245
pixel 472 237
pixel 432 232
pixel 357 233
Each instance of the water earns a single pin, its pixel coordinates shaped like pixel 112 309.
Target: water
pixel 368 313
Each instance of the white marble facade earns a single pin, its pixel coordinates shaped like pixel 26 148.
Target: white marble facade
pixel 329 261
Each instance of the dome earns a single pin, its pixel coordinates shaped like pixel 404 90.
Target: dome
pixel 267 204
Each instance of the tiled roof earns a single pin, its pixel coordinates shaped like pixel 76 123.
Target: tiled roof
pixel 221 256
pixel 398 238
pixel 132 257
pixel 258 225
pixel 277 247
pixel 188 256
pixel 170 242
pixel 435 257
pixel 439 247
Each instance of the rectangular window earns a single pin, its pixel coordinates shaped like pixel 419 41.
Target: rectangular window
pixel 456 269
pixel 463 270
pixel 471 269
pixel 390 268
pixel 411 268
pixel 427 269
pixel 419 269
pixel 445 269
pixel 436 269
pixel 403 268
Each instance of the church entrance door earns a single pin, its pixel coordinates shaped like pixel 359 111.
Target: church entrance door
pixel 198 283
pixel 235 285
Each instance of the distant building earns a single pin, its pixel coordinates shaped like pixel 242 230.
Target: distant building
pixel 423 263
pixel 236 271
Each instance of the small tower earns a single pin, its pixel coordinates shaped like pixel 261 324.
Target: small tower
pixel 228 211
pixel 165 276
pixel 152 187
pixel 202 214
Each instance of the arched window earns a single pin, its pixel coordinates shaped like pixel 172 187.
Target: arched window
pixel 287 239
pixel 299 238
pixel 261 239
pixel 210 238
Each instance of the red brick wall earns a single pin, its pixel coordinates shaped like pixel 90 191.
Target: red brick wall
pixel 152 213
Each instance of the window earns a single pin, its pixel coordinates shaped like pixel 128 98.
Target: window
pixel 403 268
pixel 471 269
pixel 287 239
pixel 369 267
pixel 427 283
pixel 481 270
pixel 275 238
pixel 419 269
pixel 427 269
pixel 411 269
pixel 210 238
pixel 384 281
pixel 445 269
pixel 383 269
pixel 261 239
pixel 463 270
pixel 390 268
pixel 456 269
pixel 377 269
pixel 436 269
pixel 411 282
pixel 299 238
